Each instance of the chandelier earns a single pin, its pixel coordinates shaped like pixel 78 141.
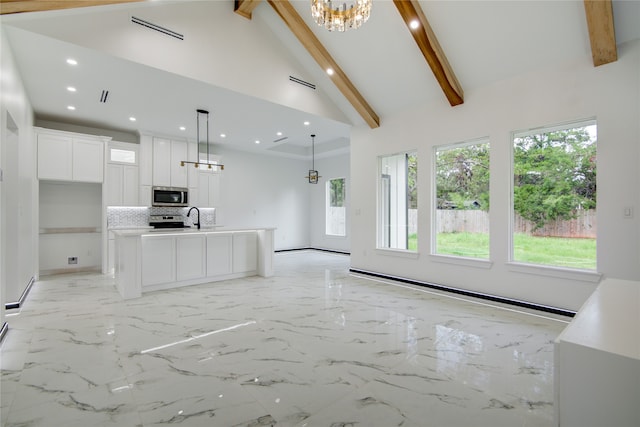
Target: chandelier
pixel 340 15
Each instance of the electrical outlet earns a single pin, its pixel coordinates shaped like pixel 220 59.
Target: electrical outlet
pixel 73 260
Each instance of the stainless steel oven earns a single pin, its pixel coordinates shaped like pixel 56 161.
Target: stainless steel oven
pixel 169 196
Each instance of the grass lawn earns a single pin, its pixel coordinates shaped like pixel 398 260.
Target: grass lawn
pixel 556 251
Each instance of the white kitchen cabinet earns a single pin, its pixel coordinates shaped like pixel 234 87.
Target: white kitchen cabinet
pixel 219 251
pixel 191 261
pixel 122 185
pixel 162 162
pixel 67 156
pixel 245 251
pixel 55 157
pixel 158 260
pixel 145 160
pixel 87 160
pixel 167 155
pixel 208 191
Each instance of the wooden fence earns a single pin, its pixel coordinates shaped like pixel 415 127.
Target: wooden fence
pixel 476 221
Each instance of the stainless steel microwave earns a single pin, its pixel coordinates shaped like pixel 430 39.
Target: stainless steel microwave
pixel 169 196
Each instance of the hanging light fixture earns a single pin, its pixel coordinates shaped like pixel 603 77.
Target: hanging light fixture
pixel 340 15
pixel 313 173
pixel 203 115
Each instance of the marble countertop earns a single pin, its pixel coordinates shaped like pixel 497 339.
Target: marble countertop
pixel 204 230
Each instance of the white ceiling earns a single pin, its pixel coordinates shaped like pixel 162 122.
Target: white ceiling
pixel 485 41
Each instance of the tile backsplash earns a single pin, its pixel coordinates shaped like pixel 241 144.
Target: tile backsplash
pixel 133 217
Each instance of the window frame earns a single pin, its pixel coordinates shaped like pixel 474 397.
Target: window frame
pixel 328 205
pixel 434 201
pixel 380 248
pixel 582 274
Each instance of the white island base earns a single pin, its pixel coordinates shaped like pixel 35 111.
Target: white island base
pixel 151 260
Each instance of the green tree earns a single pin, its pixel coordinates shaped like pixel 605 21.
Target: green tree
pixel 412 180
pixel 462 177
pixel 554 175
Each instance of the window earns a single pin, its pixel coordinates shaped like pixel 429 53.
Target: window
pixel 462 200
pixel 122 152
pixel 336 210
pixel 554 196
pixel 398 201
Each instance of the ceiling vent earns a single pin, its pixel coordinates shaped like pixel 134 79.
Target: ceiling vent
pixel 157 28
pixel 302 82
pixel 104 96
pixel 280 139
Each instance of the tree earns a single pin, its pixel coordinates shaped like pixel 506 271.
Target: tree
pixel 462 177
pixel 412 180
pixel 554 175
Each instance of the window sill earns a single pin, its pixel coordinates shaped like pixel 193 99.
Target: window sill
pixel 402 253
pixel 559 272
pixel 467 262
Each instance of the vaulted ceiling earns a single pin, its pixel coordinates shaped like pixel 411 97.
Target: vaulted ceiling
pixel 378 70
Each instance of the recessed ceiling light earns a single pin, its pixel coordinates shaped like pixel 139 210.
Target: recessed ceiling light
pixel 414 24
pixel 307 123
pixel 257 141
pixel 72 61
pixel 133 119
pixel 183 128
pixel 71 88
pixel 330 71
pixel 279 133
pixel 222 135
pixel 71 107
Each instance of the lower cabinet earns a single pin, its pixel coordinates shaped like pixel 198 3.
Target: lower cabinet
pixel 245 251
pixel 219 247
pixel 158 260
pixel 191 257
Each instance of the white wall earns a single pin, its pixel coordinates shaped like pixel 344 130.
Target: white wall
pixel 18 220
pixel 564 92
pixel 328 168
pixel 265 191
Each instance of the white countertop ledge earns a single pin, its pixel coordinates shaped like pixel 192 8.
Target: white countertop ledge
pixel 205 230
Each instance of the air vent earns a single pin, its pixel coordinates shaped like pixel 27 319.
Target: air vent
pixel 302 82
pixel 104 96
pixel 281 139
pixel 157 28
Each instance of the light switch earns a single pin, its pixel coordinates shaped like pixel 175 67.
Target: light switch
pixel 628 212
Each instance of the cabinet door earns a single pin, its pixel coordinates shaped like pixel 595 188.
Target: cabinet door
pixel 144 197
pixel 145 160
pixel 245 251
pixel 114 184
pixel 54 157
pixel 179 173
pixel 219 250
pixel 161 162
pixel 158 260
pixel 88 160
pixel 191 257
pixel 130 185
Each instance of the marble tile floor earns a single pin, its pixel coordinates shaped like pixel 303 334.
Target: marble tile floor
pixel 312 346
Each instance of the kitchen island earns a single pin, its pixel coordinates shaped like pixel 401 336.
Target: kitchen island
pixel 149 260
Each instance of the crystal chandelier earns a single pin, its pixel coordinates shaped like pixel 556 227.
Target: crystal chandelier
pixel 340 15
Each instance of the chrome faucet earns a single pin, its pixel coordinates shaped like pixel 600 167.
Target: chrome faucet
pixel 197 224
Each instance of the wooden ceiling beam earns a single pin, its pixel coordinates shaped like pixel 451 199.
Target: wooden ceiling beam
pixel 424 36
pixel 304 34
pixel 601 31
pixel 22 6
pixel 245 7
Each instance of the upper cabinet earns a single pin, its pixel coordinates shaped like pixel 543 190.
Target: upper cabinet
pixel 122 174
pixel 167 155
pixel 68 156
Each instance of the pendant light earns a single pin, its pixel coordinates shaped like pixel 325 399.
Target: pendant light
pixel 313 173
pixel 203 115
